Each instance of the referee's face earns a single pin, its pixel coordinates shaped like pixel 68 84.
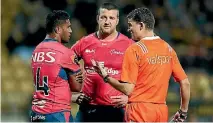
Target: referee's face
pixel 135 29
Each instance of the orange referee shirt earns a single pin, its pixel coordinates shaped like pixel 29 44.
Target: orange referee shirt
pixel 149 64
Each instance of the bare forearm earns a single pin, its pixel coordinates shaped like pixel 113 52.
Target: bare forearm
pixel 185 94
pixel 74 85
pixel 122 87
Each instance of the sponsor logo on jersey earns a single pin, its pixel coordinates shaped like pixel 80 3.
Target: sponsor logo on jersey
pixel 38 117
pixel 89 51
pixel 114 51
pixel 108 70
pixel 43 56
pixel 157 59
pixel 111 71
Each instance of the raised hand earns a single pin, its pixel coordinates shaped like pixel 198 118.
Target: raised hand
pixel 99 68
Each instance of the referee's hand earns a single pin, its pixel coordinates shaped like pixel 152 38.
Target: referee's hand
pixel 99 68
pixel 180 116
pixel 119 101
pixel 83 99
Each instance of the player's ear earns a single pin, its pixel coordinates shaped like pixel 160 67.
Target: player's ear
pixel 97 18
pixel 117 21
pixel 117 18
pixel 57 30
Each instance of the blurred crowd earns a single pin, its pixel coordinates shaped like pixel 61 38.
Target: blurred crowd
pixel 187 25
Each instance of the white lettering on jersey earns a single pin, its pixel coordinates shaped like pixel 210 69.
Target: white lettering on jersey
pixel 111 71
pixel 52 59
pixel 114 51
pixel 108 70
pixel 40 57
pixel 34 57
pixel 159 59
pixel 89 51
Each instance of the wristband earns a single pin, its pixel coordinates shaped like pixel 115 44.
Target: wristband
pixel 106 78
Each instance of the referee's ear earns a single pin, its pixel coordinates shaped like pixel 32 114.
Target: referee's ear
pixel 142 25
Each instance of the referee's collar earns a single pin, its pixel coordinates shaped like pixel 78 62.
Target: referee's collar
pixel 151 38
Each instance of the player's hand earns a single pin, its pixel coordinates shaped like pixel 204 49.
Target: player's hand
pixel 83 99
pixel 99 68
pixel 79 77
pixel 180 116
pixel 119 101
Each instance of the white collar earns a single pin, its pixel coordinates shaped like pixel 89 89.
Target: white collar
pixel 151 38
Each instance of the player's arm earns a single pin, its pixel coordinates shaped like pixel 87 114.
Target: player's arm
pixel 69 63
pixel 77 48
pixel 180 77
pixel 127 83
pixel 75 80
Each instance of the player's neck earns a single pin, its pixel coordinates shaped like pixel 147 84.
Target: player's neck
pixel 107 37
pixel 53 36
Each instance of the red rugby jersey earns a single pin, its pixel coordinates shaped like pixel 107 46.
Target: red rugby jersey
pixel 52 89
pixel 110 54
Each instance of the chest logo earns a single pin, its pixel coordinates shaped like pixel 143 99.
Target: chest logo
pixel 114 51
pixel 89 51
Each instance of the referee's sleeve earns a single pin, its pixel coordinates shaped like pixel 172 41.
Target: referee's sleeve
pixel 177 71
pixel 130 66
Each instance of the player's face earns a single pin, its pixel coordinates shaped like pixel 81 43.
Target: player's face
pixel 66 31
pixel 107 20
pixel 135 29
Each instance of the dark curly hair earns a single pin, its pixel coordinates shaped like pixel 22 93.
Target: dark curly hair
pixel 143 15
pixel 54 19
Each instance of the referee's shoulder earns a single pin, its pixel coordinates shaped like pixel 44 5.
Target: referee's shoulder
pixel 133 46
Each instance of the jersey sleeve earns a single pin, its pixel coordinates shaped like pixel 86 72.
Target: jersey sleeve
pixel 68 61
pixel 77 48
pixel 130 66
pixel 177 71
